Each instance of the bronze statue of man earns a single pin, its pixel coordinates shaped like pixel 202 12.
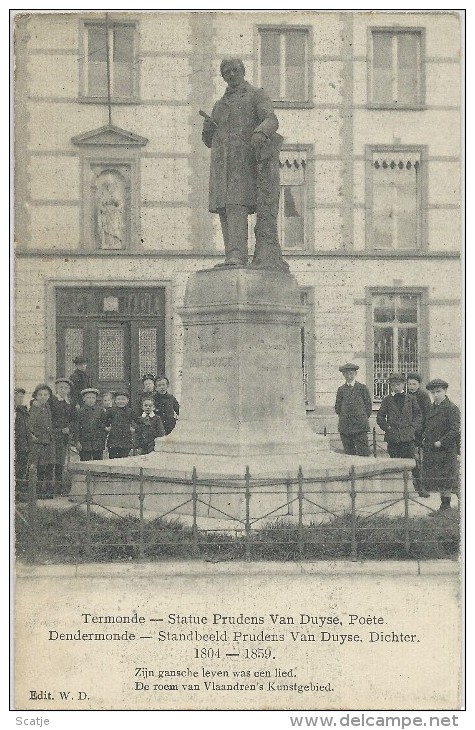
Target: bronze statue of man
pixel 244 171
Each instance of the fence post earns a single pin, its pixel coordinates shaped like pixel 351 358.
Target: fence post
pixel 141 520
pixel 88 515
pixel 196 547
pixel 248 521
pixel 324 430
pixel 300 528
pixel 407 538
pixel 374 441
pixel 33 512
pixel 354 556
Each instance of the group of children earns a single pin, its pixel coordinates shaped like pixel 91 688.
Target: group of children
pixel 54 421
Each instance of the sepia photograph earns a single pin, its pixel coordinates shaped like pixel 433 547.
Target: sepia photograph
pixel 237 373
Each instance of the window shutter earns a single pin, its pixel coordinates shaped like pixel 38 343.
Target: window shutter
pixel 97 60
pixel 295 65
pixel 382 68
pixel 270 63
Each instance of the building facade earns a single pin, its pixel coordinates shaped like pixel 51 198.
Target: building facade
pixel 111 191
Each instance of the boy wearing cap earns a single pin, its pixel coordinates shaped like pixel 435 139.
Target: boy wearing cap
pixel 22 445
pixel 440 442
pixel 149 426
pixel 353 406
pixel 80 380
pixel 400 418
pixel 119 421
pixel 91 434
pixel 424 402
pixel 63 414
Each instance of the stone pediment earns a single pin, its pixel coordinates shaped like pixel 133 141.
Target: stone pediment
pixel 109 135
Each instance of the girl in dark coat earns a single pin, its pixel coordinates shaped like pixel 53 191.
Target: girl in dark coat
pixel 22 445
pixel 120 423
pixel 43 446
pixel 166 405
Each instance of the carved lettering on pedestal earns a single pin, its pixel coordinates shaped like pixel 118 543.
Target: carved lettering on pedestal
pixel 210 361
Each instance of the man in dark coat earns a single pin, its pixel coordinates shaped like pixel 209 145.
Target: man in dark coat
pixel 353 406
pixel 441 437
pixel 80 380
pixel 424 402
pixel 241 135
pixel 22 445
pixel 90 430
pixel 400 418
pixel 63 414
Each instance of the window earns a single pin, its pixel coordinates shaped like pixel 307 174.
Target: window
pixel 396 70
pixel 117 41
pixel 396 337
pixel 395 200
pixel 293 199
pixel 283 65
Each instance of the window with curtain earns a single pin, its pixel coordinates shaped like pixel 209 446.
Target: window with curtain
pixel 396 68
pixel 396 210
pixel 293 197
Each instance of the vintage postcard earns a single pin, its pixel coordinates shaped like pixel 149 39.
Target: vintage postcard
pixel 237 360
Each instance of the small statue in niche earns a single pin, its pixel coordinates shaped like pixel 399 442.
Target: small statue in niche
pixel 109 190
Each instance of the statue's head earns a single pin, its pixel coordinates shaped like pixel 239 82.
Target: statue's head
pixel 232 71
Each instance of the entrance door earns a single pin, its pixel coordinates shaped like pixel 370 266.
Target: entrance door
pixel 121 331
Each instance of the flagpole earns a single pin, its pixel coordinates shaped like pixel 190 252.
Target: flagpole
pixel 108 66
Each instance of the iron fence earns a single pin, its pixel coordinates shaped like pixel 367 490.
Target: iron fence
pixel 248 536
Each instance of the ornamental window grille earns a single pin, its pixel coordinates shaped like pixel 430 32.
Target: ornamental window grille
pixel 283 63
pixel 117 40
pixel 396 194
pixel 111 354
pixel 396 68
pixel 147 351
pixel 293 197
pixel 396 338
pixel 73 347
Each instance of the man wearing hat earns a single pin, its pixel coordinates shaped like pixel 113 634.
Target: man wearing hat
pixel 440 444
pixel 353 406
pixel 80 380
pixel 90 430
pixel 400 418
pixel 424 402
pixel 63 415
pixel 22 445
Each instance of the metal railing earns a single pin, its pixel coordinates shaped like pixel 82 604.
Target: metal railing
pixel 249 534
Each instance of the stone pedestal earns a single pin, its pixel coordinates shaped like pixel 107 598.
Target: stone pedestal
pixel 242 392
pixel 242 405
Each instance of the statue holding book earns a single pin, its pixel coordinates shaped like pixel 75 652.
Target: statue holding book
pixel 244 171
